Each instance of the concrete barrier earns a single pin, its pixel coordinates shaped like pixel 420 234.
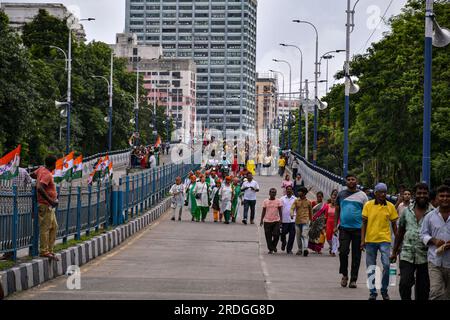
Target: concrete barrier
pixel 38 271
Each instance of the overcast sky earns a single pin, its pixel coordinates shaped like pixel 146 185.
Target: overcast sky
pixel 274 26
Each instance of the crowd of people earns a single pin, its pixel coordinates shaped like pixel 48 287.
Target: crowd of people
pixel 202 191
pixel 144 157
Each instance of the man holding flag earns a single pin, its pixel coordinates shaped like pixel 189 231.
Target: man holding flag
pixel 47 202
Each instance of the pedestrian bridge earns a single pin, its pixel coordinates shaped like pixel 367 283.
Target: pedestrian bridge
pixel 148 256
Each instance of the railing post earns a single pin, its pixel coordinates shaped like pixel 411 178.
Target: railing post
pixel 142 193
pixel 35 215
pixel 88 230
pixel 15 223
pixel 120 202
pixel 78 235
pixel 153 186
pixel 67 214
pixel 97 224
pixel 107 205
pixel 133 196
pixel 127 197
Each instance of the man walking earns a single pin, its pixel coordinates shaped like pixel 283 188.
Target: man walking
pixel 302 209
pixel 288 221
pixel 435 233
pixel 281 165
pixel 177 193
pixel 250 188
pixel 404 204
pixel 376 236
pixel 349 205
pixel 47 202
pixel 295 166
pixel 271 217
pixel 413 258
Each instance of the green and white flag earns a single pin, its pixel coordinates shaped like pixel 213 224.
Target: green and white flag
pixel 77 168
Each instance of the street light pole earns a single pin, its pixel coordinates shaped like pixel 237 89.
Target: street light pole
pixel 136 105
pixel 299 145
pixel 277 105
pixel 111 102
pixel 306 120
pixel 350 16
pixel 316 75
pixel 290 100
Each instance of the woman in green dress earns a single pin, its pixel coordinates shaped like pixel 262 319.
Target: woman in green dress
pixel 237 197
pixel 192 202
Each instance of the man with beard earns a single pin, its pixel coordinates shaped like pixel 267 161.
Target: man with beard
pixel 435 233
pixel 413 258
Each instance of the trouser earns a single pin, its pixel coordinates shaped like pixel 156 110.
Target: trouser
pixel 48 228
pixel 334 243
pixel 439 282
pixel 302 231
pixel 178 208
pixel 272 232
pixel 371 264
pixel 196 214
pixel 285 229
pixel 349 237
pixel 227 214
pixel 251 204
pixel 294 172
pixel 204 212
pixel 281 171
pixel 414 275
pixel 217 215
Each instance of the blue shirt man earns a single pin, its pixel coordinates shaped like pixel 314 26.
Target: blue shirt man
pixel 349 205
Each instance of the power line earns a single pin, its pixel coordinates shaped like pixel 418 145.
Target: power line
pixel 376 28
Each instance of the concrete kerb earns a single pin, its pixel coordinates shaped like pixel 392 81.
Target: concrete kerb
pixel 40 270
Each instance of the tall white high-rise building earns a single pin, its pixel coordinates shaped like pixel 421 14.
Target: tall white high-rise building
pixel 220 35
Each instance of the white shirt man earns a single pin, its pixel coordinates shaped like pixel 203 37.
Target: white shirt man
pixel 288 221
pixel 250 187
pixel 152 161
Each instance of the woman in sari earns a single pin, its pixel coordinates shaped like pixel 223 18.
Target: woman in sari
pixel 192 202
pixel 331 237
pixel 317 229
pixel 237 198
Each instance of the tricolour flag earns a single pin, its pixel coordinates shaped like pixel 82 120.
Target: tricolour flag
pixel 77 168
pixel 58 173
pixel 158 142
pixel 94 175
pixel 9 164
pixel 67 166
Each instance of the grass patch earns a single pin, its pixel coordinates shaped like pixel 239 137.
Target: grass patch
pixel 73 242
pixel 7 264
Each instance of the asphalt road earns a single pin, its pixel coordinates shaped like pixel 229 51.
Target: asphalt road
pixel 190 260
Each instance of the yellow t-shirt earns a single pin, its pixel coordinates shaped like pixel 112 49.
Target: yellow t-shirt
pixel 281 162
pixel 379 218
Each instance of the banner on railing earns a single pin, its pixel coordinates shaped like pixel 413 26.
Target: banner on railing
pixel 9 164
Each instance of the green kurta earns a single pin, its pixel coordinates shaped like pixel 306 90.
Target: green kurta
pixel 235 202
pixel 195 210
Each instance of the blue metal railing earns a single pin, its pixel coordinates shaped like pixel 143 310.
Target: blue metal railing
pixel 82 209
pixel 325 180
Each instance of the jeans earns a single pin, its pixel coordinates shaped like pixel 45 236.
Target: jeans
pixel 272 233
pixel 251 204
pixel 285 229
pixel 421 281
pixel 349 237
pixel 302 231
pixel 371 262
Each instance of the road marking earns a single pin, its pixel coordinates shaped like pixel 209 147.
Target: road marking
pixel 264 268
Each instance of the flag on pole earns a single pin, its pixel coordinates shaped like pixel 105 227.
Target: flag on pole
pixel 158 142
pixel 77 168
pixel 58 173
pixel 110 169
pixel 94 175
pixel 67 166
pixel 9 164
pixel 105 165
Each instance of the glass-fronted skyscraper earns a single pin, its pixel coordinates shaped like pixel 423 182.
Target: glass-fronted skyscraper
pixel 220 35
